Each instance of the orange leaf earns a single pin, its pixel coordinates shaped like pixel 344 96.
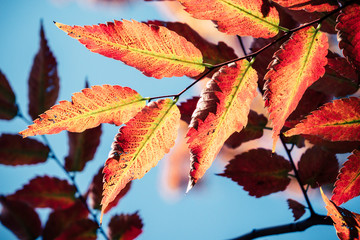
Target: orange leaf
pixel 335 121
pixel 139 146
pixel 348 184
pixel 156 51
pixel 89 108
pixel 297 208
pixel 346 223
pixel 237 17
pixel 222 110
pixel 8 108
pixel 125 226
pixel 295 67
pixel 309 5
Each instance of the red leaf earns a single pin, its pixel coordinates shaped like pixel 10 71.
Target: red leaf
pixel 8 108
pixel 346 223
pixel 297 208
pixel 125 226
pixel 84 229
pixel 46 191
pixel 14 150
pixel 333 147
pixel 187 108
pixel 298 64
pixel 237 17
pixel 259 171
pixel 253 130
pixel 348 28
pixel 222 110
pixel 317 167
pixel 348 184
pixel 43 80
pixel 20 218
pixel 309 5
pixel 335 121
pixel 157 51
pixel 89 108
pixel 82 148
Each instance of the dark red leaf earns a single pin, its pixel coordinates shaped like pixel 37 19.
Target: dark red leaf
pixel 187 108
pixel 259 171
pixel 20 218
pixel 318 167
pixel 125 227
pixel 84 229
pixel 14 150
pixel 8 108
pixel 333 147
pixel 43 80
pixel 46 192
pixel 82 148
pixel 297 208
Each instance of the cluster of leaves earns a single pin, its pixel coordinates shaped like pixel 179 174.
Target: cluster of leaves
pixel 305 88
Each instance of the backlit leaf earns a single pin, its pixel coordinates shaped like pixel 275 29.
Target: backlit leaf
pixel 82 148
pixel 84 229
pixel 298 64
pixel 348 184
pixel 335 121
pixel 20 218
pixel 333 147
pixel 8 108
pixel 43 80
pixel 46 191
pixel 14 150
pixel 309 5
pixel 297 208
pixel 187 108
pixel 259 171
pixel 236 17
pixel 139 146
pixel 348 28
pixel 89 108
pixel 318 167
pixel 155 51
pixel 222 110
pixel 346 223
pixel 125 227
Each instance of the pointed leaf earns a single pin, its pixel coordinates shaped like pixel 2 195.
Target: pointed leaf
pixel 348 28
pixel 187 108
pixel 335 121
pixel 84 229
pixel 82 148
pixel 46 191
pixel 125 227
pixel 318 167
pixel 309 5
pixel 14 150
pixel 20 218
pixel 297 208
pixel 237 17
pixel 155 51
pixel 8 108
pixel 259 171
pixel 89 108
pixel 348 184
pixel 222 110
pixel 253 130
pixel 43 80
pixel 346 223
pixel 296 66
pixel 139 146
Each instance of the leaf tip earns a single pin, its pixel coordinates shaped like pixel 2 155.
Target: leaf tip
pixel 190 185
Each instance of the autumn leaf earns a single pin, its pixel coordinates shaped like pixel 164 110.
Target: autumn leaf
pixel 8 108
pixel 298 64
pixel 89 108
pixel 46 191
pixel 154 50
pixel 259 171
pixel 43 80
pixel 139 146
pixel 14 150
pixel 82 148
pixel 297 208
pixel 346 223
pixel 20 218
pixel 347 185
pixel 318 167
pixel 333 147
pixel 348 27
pixel 125 227
pixel 187 108
pixel 335 121
pixel 309 5
pixel 222 110
pixel 84 229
